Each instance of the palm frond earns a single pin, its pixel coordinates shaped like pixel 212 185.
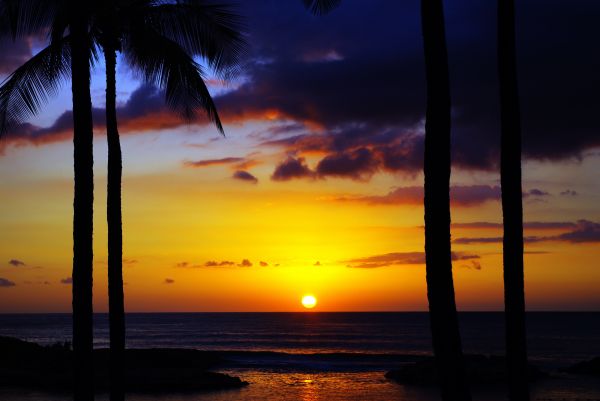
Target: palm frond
pixel 162 62
pixel 21 18
pixel 212 31
pixel 24 91
pixel 320 7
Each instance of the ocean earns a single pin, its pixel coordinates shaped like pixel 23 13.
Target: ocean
pixel 330 356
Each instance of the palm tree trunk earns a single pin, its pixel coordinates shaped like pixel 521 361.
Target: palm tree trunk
pixel 115 233
pixel 512 205
pixel 440 286
pixel 83 205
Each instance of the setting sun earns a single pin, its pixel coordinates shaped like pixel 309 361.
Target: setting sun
pixel 309 301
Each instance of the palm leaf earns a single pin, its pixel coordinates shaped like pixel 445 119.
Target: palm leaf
pixel 212 31
pixel 24 91
pixel 164 63
pixel 21 18
pixel 320 7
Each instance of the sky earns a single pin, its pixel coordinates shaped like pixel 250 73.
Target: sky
pixel 316 188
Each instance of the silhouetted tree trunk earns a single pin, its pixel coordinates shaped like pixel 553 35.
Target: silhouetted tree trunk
pixel 83 204
pixel 440 286
pixel 115 234
pixel 512 204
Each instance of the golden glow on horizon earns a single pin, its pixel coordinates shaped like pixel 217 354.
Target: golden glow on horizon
pixel 197 226
pixel 309 301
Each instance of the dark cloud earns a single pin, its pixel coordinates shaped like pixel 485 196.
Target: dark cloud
pixel 317 263
pixel 244 176
pixel 292 168
pixel 263 264
pixel 245 263
pixel 144 111
pixel 169 281
pixel 16 263
pixel 68 280
pixel 214 263
pixel 359 165
pixel 400 258
pixel 534 225
pixel 6 283
pixel 569 192
pixel 535 192
pixel 129 262
pixel 336 77
pixel 584 231
pixel 473 264
pixel 460 195
pixel 213 162
pixel 491 240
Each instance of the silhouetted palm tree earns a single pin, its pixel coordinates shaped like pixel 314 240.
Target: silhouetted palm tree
pixel 440 286
pixel 512 204
pixel 22 95
pixel 158 41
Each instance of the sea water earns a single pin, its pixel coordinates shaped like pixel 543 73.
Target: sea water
pixel 330 356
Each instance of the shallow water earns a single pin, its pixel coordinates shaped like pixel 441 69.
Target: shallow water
pixel 368 386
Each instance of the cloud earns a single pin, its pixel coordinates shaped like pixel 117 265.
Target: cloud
pixel 244 176
pixel 491 240
pixel 213 162
pixel 144 111
pixel 16 263
pixel 460 195
pixel 359 164
pixel 329 76
pixel 535 192
pixel 528 225
pixel 245 263
pixel 68 280
pixel 321 56
pixel 213 263
pixel 317 263
pixel 169 281
pixel 584 231
pixel 474 264
pixel 400 258
pixel 129 262
pixel 292 168
pixel 6 282
pixel 569 192
pixel 263 264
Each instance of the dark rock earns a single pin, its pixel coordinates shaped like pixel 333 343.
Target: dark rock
pixel 30 365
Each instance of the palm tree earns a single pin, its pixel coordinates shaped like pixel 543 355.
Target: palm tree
pixel 21 96
pixel 158 40
pixel 440 287
pixel 512 205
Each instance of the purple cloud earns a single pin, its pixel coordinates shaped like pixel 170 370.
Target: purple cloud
pixel 245 176
pixel 6 282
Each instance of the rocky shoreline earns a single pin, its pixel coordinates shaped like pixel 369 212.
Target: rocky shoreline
pixel 49 368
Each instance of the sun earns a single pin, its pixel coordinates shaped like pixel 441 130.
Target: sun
pixel 309 301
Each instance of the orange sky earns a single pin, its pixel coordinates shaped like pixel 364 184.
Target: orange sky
pixel 313 234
